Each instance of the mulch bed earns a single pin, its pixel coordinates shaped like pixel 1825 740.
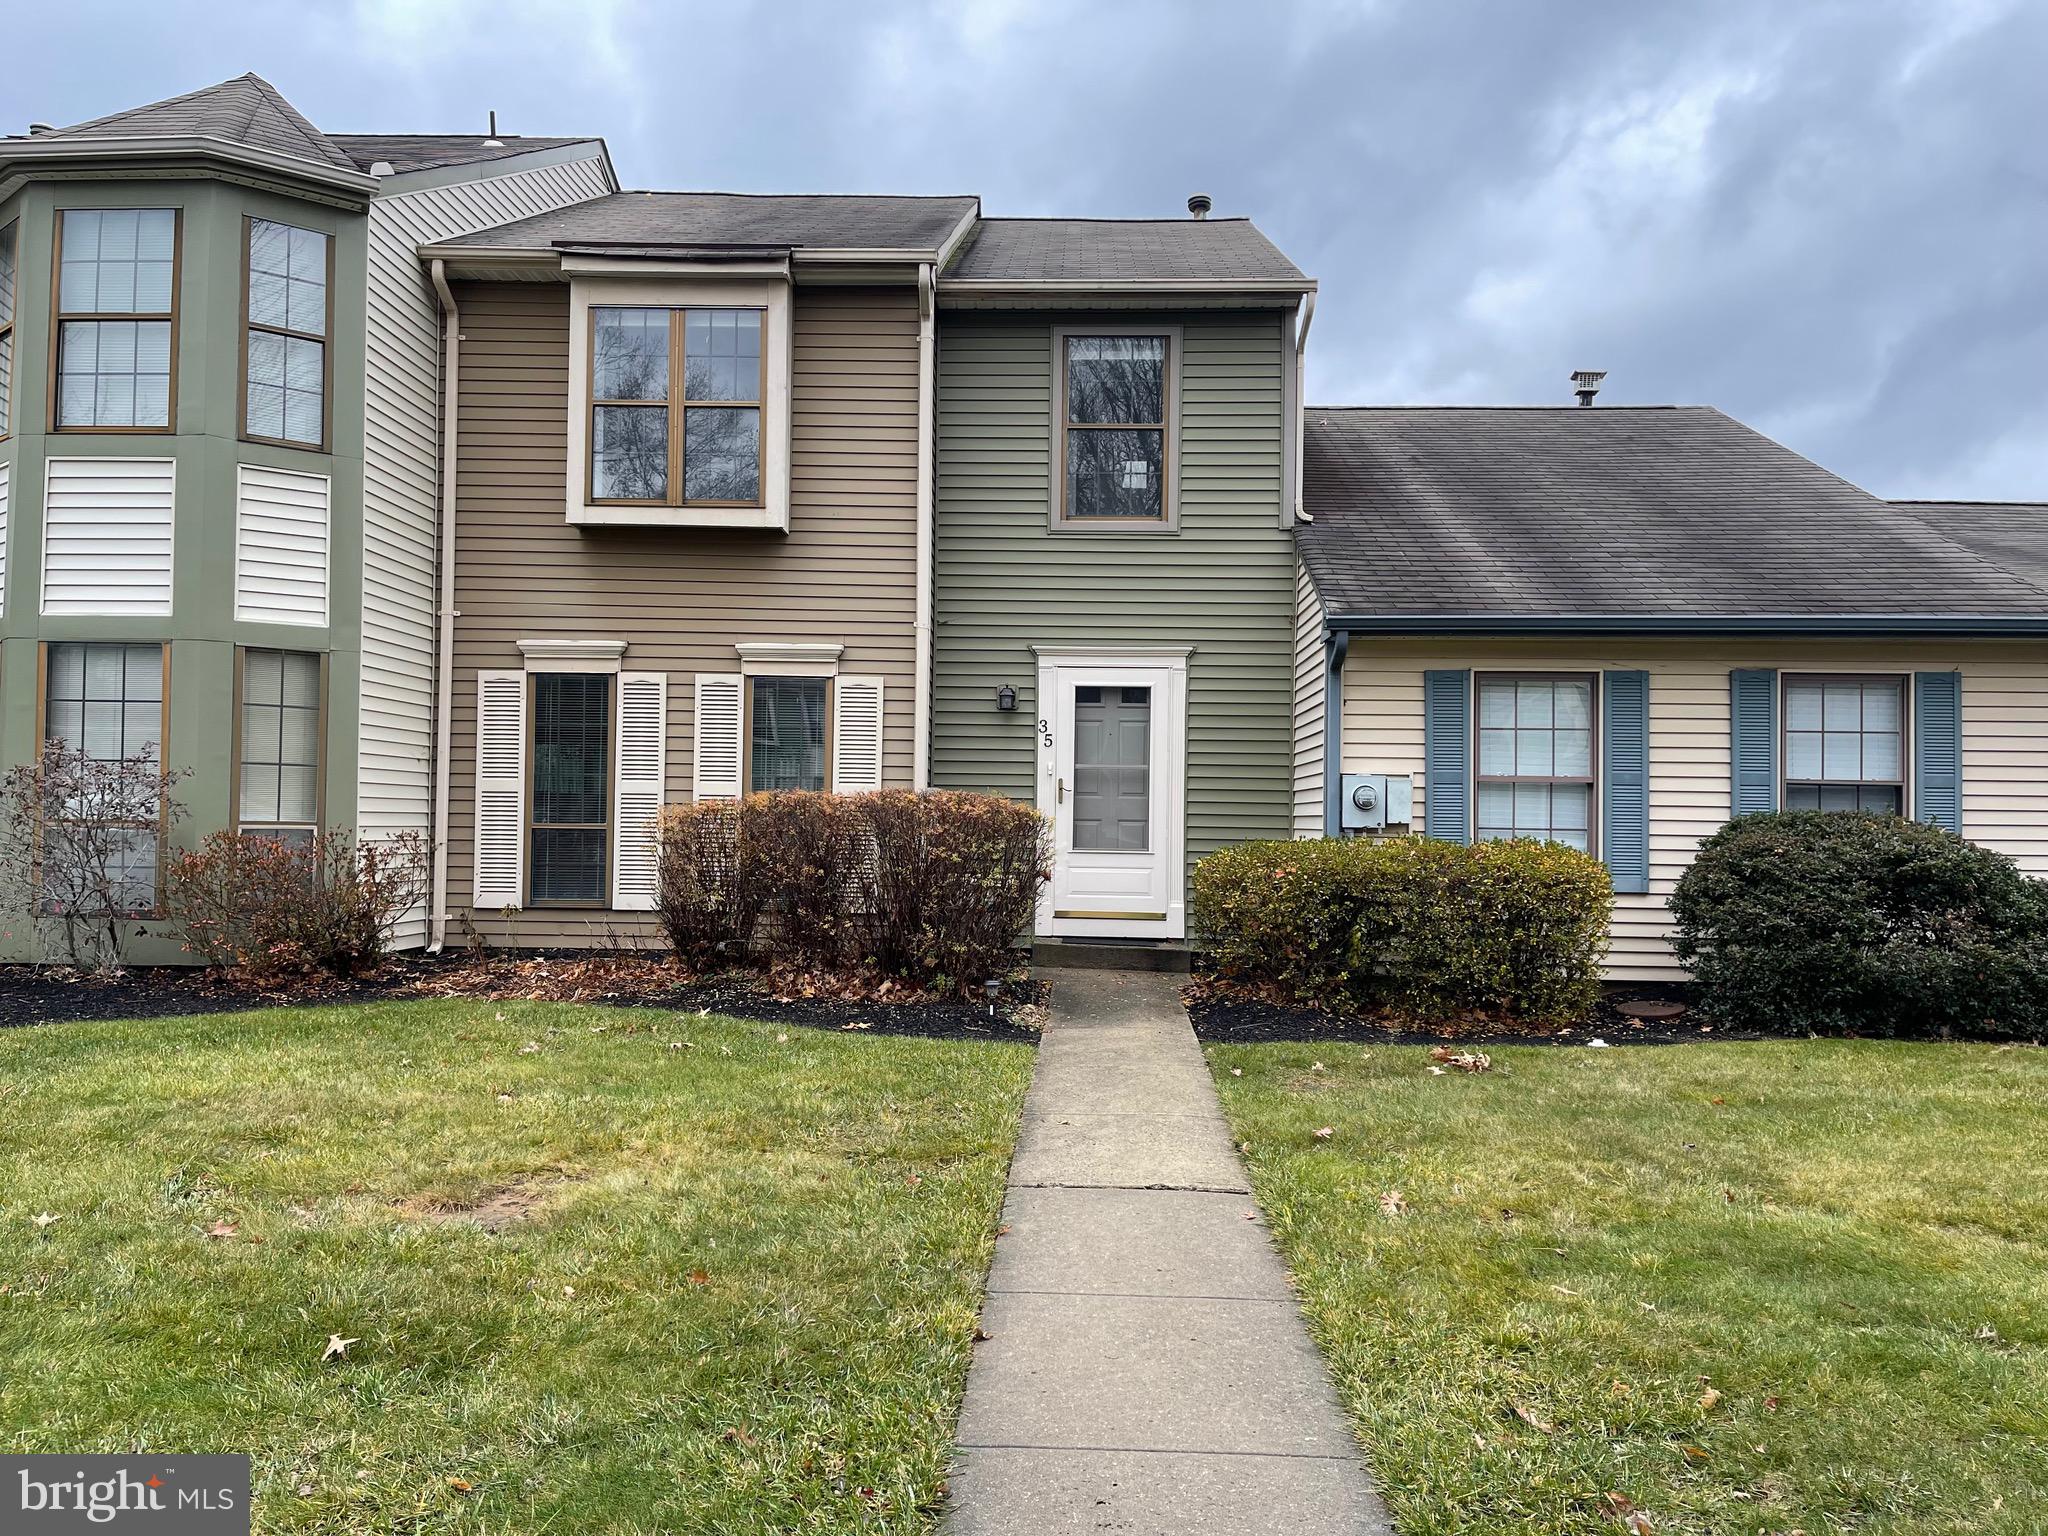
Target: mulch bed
pixel 39 995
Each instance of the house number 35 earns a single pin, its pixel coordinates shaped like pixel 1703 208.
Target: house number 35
pixel 1045 732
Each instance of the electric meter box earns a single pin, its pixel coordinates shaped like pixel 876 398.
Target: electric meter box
pixel 1374 802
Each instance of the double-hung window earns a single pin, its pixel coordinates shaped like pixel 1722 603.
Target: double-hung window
pixel 117 297
pixel 277 786
pixel 8 235
pixel 107 701
pixel 1535 758
pixel 675 407
pixel 569 818
pixel 786 739
pixel 1845 744
pixel 1116 398
pixel 286 276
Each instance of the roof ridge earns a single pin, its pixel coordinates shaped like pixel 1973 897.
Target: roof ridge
pixel 1609 409
pixel 922 197
pixel 1089 218
pixel 1962 501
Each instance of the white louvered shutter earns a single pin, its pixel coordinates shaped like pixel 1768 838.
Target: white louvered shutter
pixel 637 787
pixel 4 481
pixel 107 535
pixel 717 759
pixel 856 735
pixel 500 787
pixel 280 546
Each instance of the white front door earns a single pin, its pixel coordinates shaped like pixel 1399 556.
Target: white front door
pixel 1111 742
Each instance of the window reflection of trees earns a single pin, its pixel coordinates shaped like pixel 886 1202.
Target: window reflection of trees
pixel 1115 426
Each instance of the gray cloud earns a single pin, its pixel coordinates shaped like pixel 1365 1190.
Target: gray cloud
pixel 1828 218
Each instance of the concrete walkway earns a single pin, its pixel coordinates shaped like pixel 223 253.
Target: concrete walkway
pixel 1146 1371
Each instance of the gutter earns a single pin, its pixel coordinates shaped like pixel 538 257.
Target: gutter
pixel 1338 644
pixel 927 348
pixel 1308 318
pixel 1847 625
pixel 57 147
pixel 990 286
pixel 444 660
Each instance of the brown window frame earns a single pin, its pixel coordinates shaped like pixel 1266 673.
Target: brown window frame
pixel 10 237
pixel 1591 779
pixel 59 315
pixel 747 681
pixel 1904 783
pixel 326 343
pixel 260 828
pixel 603 902
pixel 162 827
pixel 675 405
pixel 1168 520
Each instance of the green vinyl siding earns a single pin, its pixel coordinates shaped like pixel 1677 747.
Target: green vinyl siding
pixel 1223 582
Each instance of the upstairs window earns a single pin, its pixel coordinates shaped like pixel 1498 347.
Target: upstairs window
pixel 643 363
pixel 286 279
pixel 1845 744
pixel 117 300
pixel 1116 400
pixel 7 238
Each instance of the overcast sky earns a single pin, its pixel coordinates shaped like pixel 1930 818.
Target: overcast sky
pixel 1827 217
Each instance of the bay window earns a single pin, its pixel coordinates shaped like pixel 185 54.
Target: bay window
pixel 8 235
pixel 286 276
pixel 277 745
pixel 117 302
pixel 676 399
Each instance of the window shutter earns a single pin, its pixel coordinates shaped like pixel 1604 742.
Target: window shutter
pixel 717 756
pixel 280 546
pixel 1447 755
pixel 638 785
pixel 856 735
pixel 1938 749
pixel 107 535
pixel 1625 786
pixel 3 537
pixel 1753 741
pixel 500 787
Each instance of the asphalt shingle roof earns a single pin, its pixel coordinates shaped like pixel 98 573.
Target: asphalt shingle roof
pixel 1085 250
pixel 426 151
pixel 2013 534
pixel 246 110
pixel 1563 511
pixel 736 218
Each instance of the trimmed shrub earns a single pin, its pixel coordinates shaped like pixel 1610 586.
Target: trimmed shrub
pixel 1832 922
pixel 1414 926
pixel 935 888
pixel 276 910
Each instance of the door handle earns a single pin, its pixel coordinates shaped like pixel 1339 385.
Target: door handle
pixel 1062 796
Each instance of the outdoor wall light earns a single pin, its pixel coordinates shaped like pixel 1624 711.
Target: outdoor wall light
pixel 1006 698
pixel 994 987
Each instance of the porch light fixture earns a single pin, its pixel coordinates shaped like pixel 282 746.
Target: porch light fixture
pixel 994 987
pixel 1006 698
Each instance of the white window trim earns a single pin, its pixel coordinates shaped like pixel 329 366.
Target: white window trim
pixel 554 655
pixel 769 293
pixel 789 658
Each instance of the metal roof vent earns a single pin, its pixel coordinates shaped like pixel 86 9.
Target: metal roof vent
pixel 491 140
pixel 37 130
pixel 1199 205
pixel 1586 383
pixel 383 168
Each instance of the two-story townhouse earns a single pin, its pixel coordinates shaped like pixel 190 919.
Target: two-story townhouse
pixel 219 380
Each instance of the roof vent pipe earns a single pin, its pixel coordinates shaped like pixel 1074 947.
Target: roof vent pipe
pixel 491 140
pixel 1199 205
pixel 37 130
pixel 1586 383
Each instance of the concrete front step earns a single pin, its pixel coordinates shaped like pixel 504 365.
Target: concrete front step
pixel 1112 954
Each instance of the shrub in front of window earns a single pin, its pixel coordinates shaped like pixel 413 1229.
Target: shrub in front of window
pixel 79 837
pixel 704 907
pixel 802 854
pixel 1417 928
pixel 1811 922
pixel 277 909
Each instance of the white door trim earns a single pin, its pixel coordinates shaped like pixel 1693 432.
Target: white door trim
pixel 1165 668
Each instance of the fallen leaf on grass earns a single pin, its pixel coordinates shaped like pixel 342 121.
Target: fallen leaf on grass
pixel 1325 1132
pixel 737 1436
pixel 529 1048
pixel 1436 1071
pixel 1709 1397
pixel 1770 1405
pixel 1531 1417
pixel 221 1229
pixel 337 1346
pixel 699 1277
pixel 461 1485
pixel 1237 1071
pixel 1464 1061
pixel 1632 1519
pixel 1315 1066
pixel 45 1219
pixel 1393 1203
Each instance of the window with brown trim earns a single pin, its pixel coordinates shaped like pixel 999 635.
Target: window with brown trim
pixel 116 319
pixel 109 701
pixel 287 287
pixel 644 362
pixel 1116 399
pixel 277 744
pixel 1534 756
pixel 568 835
pixel 8 236
pixel 1845 744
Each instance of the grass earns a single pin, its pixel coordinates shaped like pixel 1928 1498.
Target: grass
pixel 1797 1287
pixel 733 1287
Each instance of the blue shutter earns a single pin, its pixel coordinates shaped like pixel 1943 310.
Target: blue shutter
pixel 1625 780
pixel 1447 755
pixel 1938 749
pixel 1753 740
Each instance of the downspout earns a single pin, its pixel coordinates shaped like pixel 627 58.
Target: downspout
pixel 1338 642
pixel 927 348
pixel 444 661
pixel 1308 318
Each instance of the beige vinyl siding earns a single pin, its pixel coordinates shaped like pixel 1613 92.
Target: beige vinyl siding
pixel 402 476
pixel 1223 583
pixel 1309 706
pixel 2005 741
pixel 681 598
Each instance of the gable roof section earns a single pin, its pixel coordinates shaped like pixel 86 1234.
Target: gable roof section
pixel 1122 250
pixel 2013 534
pixel 247 110
pixel 405 152
pixel 656 220
pixel 1664 517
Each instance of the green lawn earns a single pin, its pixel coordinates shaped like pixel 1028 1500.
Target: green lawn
pixel 1749 1288
pixel 732 1289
